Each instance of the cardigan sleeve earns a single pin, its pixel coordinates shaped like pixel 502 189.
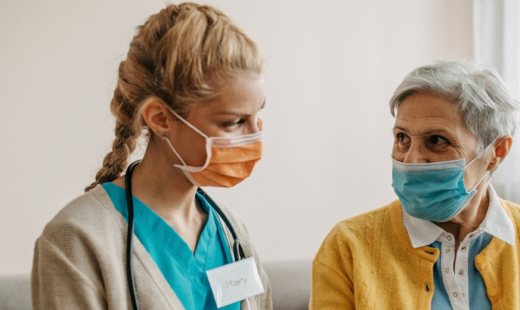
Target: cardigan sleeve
pixel 332 274
pixel 57 281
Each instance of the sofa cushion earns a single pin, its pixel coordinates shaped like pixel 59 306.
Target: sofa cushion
pixel 290 284
pixel 15 293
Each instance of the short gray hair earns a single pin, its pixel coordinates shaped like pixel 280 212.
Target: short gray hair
pixel 488 108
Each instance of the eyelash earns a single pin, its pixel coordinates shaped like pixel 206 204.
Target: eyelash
pixel 235 123
pixel 441 137
pixel 402 135
pixel 399 135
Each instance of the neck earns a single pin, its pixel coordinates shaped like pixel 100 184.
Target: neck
pixel 471 217
pixel 168 192
pixel 164 188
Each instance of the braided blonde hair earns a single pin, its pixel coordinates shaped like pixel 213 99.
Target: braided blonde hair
pixel 183 54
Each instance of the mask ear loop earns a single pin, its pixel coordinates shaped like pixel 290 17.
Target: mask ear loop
pixel 482 178
pixel 481 154
pixel 186 122
pixel 165 138
pixel 476 157
pixel 189 125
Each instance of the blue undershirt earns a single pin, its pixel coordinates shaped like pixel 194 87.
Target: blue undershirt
pixel 184 270
pixel 478 299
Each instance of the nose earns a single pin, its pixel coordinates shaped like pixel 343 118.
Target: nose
pixel 415 155
pixel 258 126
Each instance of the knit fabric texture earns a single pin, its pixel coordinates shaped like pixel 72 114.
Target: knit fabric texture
pixel 79 261
pixel 368 262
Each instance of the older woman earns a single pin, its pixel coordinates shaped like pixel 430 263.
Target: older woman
pixel 448 242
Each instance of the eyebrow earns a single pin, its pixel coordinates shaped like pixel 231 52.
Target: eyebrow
pixel 233 113
pixel 240 114
pixel 434 131
pixel 400 128
pixel 426 133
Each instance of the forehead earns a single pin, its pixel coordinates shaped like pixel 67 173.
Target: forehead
pixel 428 111
pixel 246 93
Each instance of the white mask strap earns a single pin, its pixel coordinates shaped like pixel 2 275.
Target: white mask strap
pixel 482 178
pixel 178 156
pixel 478 156
pixel 186 122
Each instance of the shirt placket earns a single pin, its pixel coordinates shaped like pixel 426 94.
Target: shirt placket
pixel 452 288
pixel 462 265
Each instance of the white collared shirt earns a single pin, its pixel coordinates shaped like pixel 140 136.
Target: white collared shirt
pixel 422 233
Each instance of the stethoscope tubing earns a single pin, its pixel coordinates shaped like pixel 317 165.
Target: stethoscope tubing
pixel 130 235
pixel 237 247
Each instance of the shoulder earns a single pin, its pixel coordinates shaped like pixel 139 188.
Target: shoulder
pixel 363 224
pixel 359 231
pixel 230 221
pixel 236 223
pixel 89 216
pixel 514 210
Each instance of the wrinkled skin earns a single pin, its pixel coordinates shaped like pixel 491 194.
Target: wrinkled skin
pixel 430 129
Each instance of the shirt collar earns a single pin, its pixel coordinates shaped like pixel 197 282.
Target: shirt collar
pixel 496 223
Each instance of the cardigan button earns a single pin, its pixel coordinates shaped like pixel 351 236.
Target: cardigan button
pixel 481 260
pixel 492 291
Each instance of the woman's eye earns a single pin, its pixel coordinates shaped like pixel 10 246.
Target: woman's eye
pixel 402 138
pixel 234 124
pixel 438 140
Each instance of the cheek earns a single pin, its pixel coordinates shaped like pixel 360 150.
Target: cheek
pixel 191 147
pixel 397 154
pixel 454 153
pixel 447 155
pixel 473 174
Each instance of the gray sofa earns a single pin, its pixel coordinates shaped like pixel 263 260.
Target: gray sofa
pixel 290 281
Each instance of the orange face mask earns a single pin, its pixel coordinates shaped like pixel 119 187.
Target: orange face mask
pixel 228 160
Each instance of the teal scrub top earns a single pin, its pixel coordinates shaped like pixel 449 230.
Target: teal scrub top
pixel 184 270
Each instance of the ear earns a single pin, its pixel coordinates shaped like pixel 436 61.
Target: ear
pixel 500 150
pixel 156 116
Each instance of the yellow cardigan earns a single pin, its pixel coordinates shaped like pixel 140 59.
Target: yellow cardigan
pixel 368 262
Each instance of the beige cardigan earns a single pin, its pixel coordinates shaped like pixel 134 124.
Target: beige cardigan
pixel 79 261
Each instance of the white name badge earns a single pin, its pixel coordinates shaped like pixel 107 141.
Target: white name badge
pixel 235 282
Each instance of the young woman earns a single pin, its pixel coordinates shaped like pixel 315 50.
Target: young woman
pixel 193 84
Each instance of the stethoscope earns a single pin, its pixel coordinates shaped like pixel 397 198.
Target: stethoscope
pixel 237 247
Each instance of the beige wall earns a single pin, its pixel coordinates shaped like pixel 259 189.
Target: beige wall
pixel 331 68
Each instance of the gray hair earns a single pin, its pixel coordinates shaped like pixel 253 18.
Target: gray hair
pixel 488 108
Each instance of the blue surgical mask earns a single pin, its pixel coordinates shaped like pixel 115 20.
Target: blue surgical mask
pixel 433 191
